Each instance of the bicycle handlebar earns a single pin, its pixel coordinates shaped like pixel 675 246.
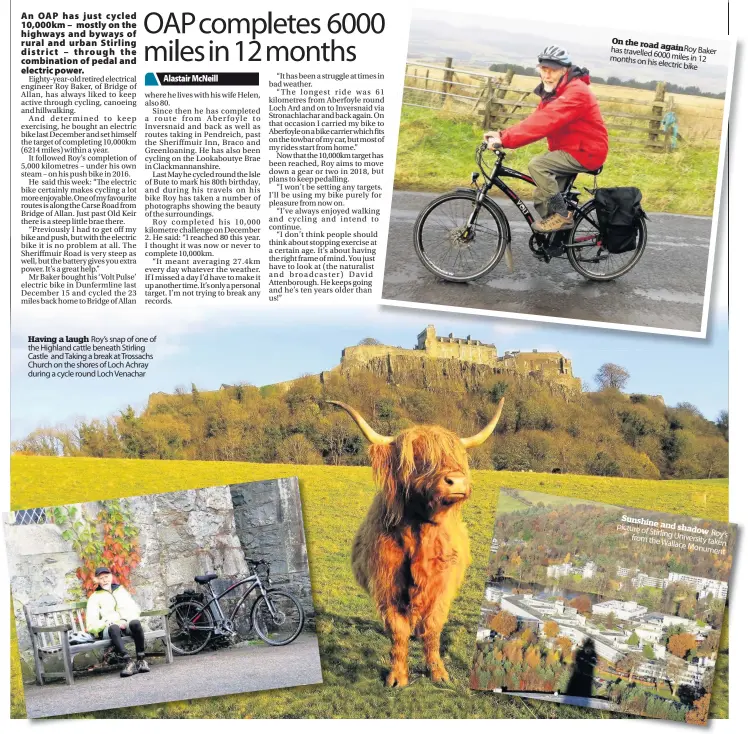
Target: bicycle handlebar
pixel 480 150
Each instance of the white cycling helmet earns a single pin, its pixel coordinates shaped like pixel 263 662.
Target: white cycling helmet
pixel 555 56
pixel 80 638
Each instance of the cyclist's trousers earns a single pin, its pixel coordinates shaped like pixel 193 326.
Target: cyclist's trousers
pixel 134 629
pixel 551 172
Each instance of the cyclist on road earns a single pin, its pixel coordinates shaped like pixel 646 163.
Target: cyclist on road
pixel 569 117
pixel 112 612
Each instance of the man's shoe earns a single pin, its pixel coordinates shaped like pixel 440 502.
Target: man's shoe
pixel 142 666
pixel 130 669
pixel 554 223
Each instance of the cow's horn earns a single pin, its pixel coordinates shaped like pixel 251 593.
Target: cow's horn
pixel 479 438
pixel 366 429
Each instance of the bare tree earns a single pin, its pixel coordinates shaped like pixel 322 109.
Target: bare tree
pixel 612 375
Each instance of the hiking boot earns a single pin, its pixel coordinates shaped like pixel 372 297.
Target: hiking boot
pixel 142 666
pixel 554 223
pixel 130 669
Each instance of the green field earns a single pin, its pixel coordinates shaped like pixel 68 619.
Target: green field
pixel 436 150
pixel 353 647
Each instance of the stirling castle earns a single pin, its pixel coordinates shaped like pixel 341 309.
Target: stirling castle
pixel 441 360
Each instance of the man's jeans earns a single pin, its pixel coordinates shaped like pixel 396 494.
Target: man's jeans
pixel 551 172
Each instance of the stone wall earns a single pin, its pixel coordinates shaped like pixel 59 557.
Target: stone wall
pixel 270 526
pixel 42 569
pixel 182 535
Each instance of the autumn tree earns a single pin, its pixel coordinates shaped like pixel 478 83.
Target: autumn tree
pixel 532 656
pixel 550 629
pixel 674 668
pixel 582 604
pixel 564 645
pixel 528 636
pixel 627 665
pixel 698 714
pixel 710 645
pixel 681 644
pixel 513 651
pixel 612 376
pixel 503 623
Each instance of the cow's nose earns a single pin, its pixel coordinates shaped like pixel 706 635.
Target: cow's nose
pixel 456 483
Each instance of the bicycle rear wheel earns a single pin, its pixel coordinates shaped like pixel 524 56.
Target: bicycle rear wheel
pixel 449 247
pixel 589 257
pixel 278 617
pixel 190 627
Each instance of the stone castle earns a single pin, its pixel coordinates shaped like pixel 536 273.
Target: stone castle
pixel 442 358
pixel 439 360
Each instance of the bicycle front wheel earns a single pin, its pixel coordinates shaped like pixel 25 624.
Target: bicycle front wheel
pixel 190 627
pixel 589 257
pixel 278 617
pixel 455 244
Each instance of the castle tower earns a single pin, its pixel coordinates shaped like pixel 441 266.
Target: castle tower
pixel 427 339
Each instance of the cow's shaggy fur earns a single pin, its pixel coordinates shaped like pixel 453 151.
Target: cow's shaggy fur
pixel 412 550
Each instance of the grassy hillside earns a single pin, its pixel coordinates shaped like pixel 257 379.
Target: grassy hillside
pixel 436 150
pixel 353 647
pixel 544 426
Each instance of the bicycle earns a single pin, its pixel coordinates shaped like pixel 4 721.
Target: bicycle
pixel 463 235
pixel 276 616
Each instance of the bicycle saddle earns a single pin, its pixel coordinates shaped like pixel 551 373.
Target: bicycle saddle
pixel 206 578
pixel 597 171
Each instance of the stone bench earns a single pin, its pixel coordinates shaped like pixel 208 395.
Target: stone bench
pixel 49 627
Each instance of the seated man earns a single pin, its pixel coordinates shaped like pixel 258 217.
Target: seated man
pixel 112 612
pixel 569 117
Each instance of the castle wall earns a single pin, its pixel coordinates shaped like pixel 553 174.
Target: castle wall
pixel 467 352
pixel 366 352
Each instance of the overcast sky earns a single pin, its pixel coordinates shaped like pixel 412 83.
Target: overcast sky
pixel 520 41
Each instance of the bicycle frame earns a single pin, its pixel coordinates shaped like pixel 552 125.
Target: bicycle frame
pixel 213 603
pixel 493 179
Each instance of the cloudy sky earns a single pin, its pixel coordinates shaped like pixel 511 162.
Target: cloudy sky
pixel 485 39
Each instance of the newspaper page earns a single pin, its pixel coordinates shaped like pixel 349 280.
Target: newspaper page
pixel 295 289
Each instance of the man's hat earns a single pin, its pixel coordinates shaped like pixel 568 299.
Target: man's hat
pixel 102 569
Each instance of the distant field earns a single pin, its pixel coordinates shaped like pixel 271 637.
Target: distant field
pixel 699 118
pixel 353 646
pixel 436 152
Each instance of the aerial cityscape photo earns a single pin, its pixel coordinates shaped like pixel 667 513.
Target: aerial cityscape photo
pixel 602 606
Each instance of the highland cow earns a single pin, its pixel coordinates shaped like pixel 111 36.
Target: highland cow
pixel 412 550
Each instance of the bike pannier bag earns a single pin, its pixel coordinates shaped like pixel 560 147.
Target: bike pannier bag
pixel 619 211
pixel 188 595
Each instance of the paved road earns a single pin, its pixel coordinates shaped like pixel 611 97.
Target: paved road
pixel 665 289
pixel 219 673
